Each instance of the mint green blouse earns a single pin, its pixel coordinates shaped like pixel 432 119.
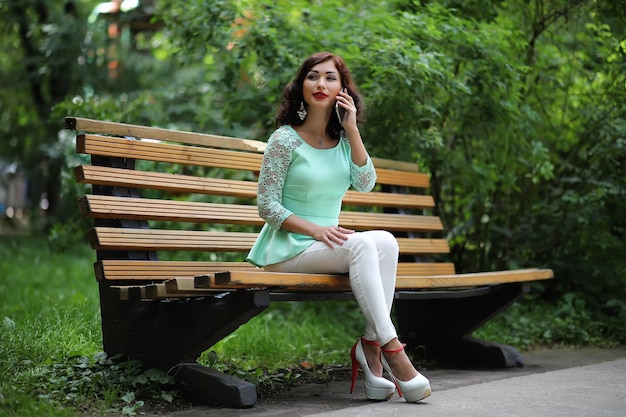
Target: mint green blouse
pixel 299 179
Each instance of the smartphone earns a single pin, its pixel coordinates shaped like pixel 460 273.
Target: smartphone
pixel 341 112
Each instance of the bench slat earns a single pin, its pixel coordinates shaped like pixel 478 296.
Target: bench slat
pixel 163 152
pixel 133 270
pixel 88 174
pixel 115 238
pixel 212 283
pixel 475 279
pixel 220 158
pixel 118 177
pixel 260 279
pixel 203 286
pixel 112 238
pixel 425 268
pixel 98 206
pixel 202 139
pixel 123 129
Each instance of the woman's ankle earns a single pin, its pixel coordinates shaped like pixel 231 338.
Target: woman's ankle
pixel 398 360
pixel 392 346
pixel 372 355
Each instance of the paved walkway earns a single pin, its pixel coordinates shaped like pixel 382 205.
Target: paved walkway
pixel 592 390
pixel 568 383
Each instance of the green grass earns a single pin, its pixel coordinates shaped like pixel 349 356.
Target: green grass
pixel 43 320
pixel 289 340
pixel 50 337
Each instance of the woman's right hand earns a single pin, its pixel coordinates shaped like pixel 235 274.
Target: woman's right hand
pixel 332 235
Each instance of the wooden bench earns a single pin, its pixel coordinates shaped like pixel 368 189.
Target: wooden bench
pixel 174 216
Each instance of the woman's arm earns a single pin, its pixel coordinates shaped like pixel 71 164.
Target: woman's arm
pixel 274 167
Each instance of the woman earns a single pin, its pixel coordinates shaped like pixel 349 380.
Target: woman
pixel 311 160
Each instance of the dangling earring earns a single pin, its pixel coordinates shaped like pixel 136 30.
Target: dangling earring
pixel 301 111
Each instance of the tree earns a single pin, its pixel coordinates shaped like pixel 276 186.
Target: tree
pixel 485 95
pixel 41 43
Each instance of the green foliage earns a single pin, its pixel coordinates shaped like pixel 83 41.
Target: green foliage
pixel 523 143
pixel 119 385
pixel 515 109
pixel 50 332
pixel 571 322
pixel 325 332
pixel 288 343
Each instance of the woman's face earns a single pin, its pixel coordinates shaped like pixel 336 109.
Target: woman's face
pixel 321 85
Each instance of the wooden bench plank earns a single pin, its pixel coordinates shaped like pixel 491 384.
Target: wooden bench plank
pixel 173 183
pixel 202 139
pixel 219 158
pixel 163 152
pixel 409 179
pixel 136 131
pixel 425 268
pixel 99 206
pixel 476 279
pixel 205 285
pixel 134 270
pixel 341 283
pixel 114 238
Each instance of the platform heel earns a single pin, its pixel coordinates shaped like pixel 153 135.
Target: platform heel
pixel 414 390
pixel 376 387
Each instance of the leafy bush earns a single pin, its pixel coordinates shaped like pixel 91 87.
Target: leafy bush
pixel 533 323
pixel 120 386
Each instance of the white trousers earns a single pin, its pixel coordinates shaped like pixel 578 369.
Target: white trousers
pixel 371 259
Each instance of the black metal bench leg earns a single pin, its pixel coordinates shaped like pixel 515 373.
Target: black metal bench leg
pixel 444 326
pixel 171 334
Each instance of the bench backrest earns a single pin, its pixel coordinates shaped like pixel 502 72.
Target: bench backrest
pixel 179 204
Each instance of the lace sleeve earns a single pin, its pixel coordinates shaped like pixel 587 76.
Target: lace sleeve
pixel 363 178
pixel 276 160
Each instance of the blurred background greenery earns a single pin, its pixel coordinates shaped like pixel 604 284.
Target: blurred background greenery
pixel 515 108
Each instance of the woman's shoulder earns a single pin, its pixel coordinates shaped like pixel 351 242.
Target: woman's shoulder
pixel 343 139
pixel 285 135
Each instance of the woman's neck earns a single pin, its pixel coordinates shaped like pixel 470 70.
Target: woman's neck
pixel 315 123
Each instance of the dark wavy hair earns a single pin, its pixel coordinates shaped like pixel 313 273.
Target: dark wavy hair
pixel 293 96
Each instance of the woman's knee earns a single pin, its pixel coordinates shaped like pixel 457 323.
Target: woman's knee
pixel 385 241
pixel 361 243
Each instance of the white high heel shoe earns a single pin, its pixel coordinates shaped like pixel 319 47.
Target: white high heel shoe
pixel 376 387
pixel 414 390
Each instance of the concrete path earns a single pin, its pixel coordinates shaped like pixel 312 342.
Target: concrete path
pixel 568 383
pixel 592 390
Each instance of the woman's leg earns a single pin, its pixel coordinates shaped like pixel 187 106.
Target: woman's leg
pixel 387 247
pixel 370 258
